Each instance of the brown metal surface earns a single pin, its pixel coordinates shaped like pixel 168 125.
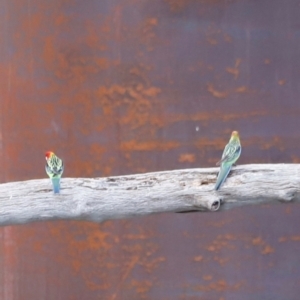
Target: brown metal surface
pixel 127 86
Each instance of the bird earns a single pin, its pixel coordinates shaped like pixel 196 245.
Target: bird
pixel 54 168
pixel 230 155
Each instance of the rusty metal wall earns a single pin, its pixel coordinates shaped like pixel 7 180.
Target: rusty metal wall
pixel 127 86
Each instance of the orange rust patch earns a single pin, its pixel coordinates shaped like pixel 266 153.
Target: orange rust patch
pixel 235 70
pixel 142 287
pixel 220 285
pixel 257 241
pixel 221 261
pixel 216 93
pixel 187 157
pixel 82 240
pixel 133 105
pixel 198 258
pixel 282 239
pixel 266 143
pixel 295 159
pixel 215 143
pixel 282 82
pixel 210 67
pixel 212 41
pixel 135 237
pixel 288 210
pixel 267 250
pixel 95 40
pixel 148 146
pixel 177 5
pixel 221 242
pixel 211 248
pixel 152 21
pixel 241 89
pixel 96 150
pixel 60 19
pixel 227 38
pixel 49 52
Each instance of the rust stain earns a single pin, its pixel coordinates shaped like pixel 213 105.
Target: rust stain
pixel 207 277
pixel 220 243
pixel 282 239
pixel 262 143
pixel 187 157
pixel 257 241
pixel 148 35
pixel 148 146
pixel 9 264
pixel 241 89
pixel 222 261
pixel 235 70
pixel 82 240
pixel 274 142
pixel 227 38
pixel 231 91
pixel 265 248
pixel 216 93
pixel 206 117
pixel 61 19
pixel 220 285
pixel 136 101
pixel 295 159
pixel 210 68
pixel 220 223
pixel 282 82
pixel 142 287
pixel 294 238
pixel 212 41
pixel 140 236
pixel 125 275
pixel 206 142
pixel 198 258
pixel 177 5
pixel 153 264
pixel 97 41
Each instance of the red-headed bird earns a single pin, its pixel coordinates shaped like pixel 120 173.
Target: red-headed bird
pixel 54 168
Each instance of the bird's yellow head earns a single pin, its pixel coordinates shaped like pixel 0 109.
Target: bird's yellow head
pixel 48 154
pixel 235 135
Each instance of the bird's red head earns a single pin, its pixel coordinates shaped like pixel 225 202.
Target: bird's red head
pixel 48 154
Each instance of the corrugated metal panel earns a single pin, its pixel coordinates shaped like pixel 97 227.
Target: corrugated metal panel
pixel 119 87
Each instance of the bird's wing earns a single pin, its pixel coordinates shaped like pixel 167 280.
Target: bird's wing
pixel 229 153
pixel 56 169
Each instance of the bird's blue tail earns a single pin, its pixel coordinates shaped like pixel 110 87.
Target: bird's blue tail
pixel 56 185
pixel 224 171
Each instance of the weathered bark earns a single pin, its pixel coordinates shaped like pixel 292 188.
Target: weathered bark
pixel 98 199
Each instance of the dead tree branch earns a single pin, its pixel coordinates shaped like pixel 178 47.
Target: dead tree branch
pixel 99 199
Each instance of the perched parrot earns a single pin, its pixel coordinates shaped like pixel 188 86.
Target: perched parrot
pixel 54 168
pixel 230 155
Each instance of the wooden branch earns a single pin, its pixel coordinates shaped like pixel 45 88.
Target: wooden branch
pixel 99 199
